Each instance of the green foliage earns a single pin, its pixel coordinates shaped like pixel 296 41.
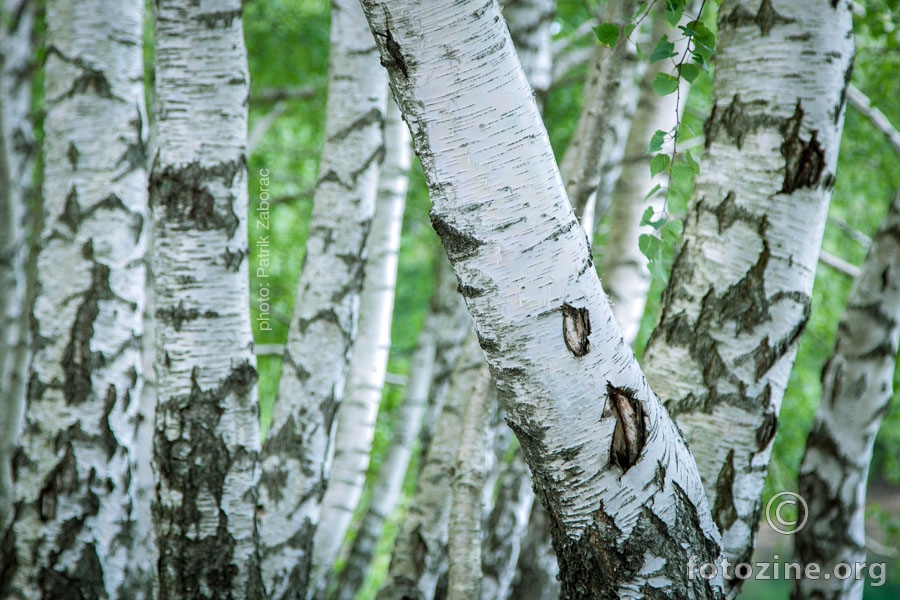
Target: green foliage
pixel 607 34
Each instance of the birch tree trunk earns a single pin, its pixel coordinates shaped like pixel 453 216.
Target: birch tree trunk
pixel 17 154
pixel 365 380
pixel 738 298
pixel 206 443
pixel 296 454
pixel 626 277
pixel 469 476
pixel 71 529
pixel 530 26
pixel 858 387
pixel 626 505
pixel 609 93
pixel 446 324
pixel 419 562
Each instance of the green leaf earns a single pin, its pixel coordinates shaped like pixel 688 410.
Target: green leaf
pixel 688 71
pixel 607 34
pixel 665 84
pixel 682 176
pixel 648 214
pixel 674 10
pixel 664 49
pixel 671 231
pixel 675 203
pixel 658 270
pixel 656 142
pixel 650 194
pixel 649 245
pixel 626 33
pixel 693 164
pixel 658 164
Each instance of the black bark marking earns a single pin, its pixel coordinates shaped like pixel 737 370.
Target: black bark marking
pixel 177 316
pixel 183 194
pixel 765 18
pixel 765 433
pixel 728 213
pixel 63 479
pixel 373 117
pixel 135 156
pixel 468 291
pixel 804 160
pixel 71 214
pixel 459 245
pixel 85 582
pixel 576 329
pixel 227 17
pixel 392 47
pixel 737 120
pixel 108 439
pixel 839 107
pixel 629 435
pixel 724 512
pixel 78 361
pixel 234 259
pixel 90 79
pixel 72 154
pixel 745 302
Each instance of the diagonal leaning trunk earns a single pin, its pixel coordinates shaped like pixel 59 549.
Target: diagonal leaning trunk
pixel 73 512
pixel 296 456
pixel 624 497
pixel 739 294
pixel 206 443
pixel 858 386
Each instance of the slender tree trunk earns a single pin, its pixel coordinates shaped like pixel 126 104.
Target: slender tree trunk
pixel 206 443
pixel 739 294
pixel 469 477
pixel 419 563
pixel 356 419
pixel 296 454
pixel 623 494
pixel 17 154
pixel 609 94
pixel 625 275
pixel 71 531
pixel 446 324
pixel 858 387
pixel 530 26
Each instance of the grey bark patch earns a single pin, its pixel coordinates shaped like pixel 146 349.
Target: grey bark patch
pixel 804 160
pixel 211 19
pixel 183 193
pixel 724 512
pixel 737 120
pixel 728 213
pixel 177 316
pixel 468 291
pixel 459 245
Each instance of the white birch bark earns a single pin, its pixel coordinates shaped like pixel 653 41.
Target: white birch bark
pixel 623 515
pixel 419 562
pixel 365 380
pixel 206 442
pixel 608 99
pixel 626 277
pixel 468 482
pixel 17 154
pixel 445 326
pixel 73 525
pixel 739 294
pixel 296 453
pixel 530 26
pixel 858 387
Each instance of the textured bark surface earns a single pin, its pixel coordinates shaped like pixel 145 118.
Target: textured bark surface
pixel 74 510
pixel 501 210
pixel 446 324
pixel 296 454
pixel 17 155
pixel 530 26
pixel 206 443
pixel 858 387
pixel 739 294
pixel 356 418
pixel 609 98
pixel 473 462
pixel 626 278
pixel 420 561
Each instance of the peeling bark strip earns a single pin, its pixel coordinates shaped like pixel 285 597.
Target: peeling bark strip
pixel 751 245
pixel 17 158
pixel 206 443
pixel 296 461
pixel 630 435
pixel 576 329
pixel 857 388
pixel 486 156
pixel 74 520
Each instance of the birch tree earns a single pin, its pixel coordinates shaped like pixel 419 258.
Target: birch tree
pixel 605 458
pixel 365 380
pixel 858 387
pixel 739 294
pixel 206 442
pixel 74 506
pixel 17 154
pixel 296 455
